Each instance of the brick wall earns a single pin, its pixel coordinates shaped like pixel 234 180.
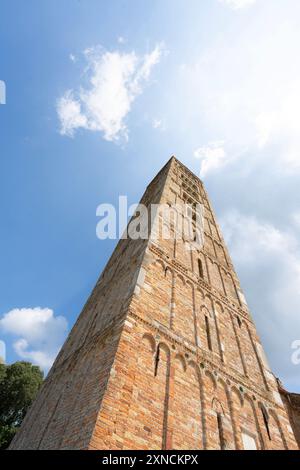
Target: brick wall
pixel 165 354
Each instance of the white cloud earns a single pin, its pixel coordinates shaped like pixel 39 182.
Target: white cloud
pixel 69 111
pixel 251 236
pixel 238 4
pixel 41 358
pixel 2 351
pixel 156 123
pixel 72 58
pixel 248 90
pixel 121 40
pixel 212 156
pixel 115 80
pixel 39 333
pixel 268 261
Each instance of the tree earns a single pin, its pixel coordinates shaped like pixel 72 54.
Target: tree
pixel 19 384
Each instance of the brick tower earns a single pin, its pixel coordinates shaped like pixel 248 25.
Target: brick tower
pixel 165 354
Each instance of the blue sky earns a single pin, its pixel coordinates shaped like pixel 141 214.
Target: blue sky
pixel 215 82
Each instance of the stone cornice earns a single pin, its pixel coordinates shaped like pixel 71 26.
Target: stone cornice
pixel 175 264
pixel 202 356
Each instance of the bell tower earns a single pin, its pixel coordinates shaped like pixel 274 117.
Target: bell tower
pixel 165 354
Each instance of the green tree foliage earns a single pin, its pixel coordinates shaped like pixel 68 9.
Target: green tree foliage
pixel 19 384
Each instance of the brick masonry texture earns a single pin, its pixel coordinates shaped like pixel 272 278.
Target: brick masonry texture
pixel 292 404
pixel 165 354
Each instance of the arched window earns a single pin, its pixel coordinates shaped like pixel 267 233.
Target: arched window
pixel 200 268
pixel 207 326
pixel 156 360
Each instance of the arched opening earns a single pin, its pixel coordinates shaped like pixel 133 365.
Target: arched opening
pixel 200 268
pixel 221 431
pixel 265 420
pixel 208 335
